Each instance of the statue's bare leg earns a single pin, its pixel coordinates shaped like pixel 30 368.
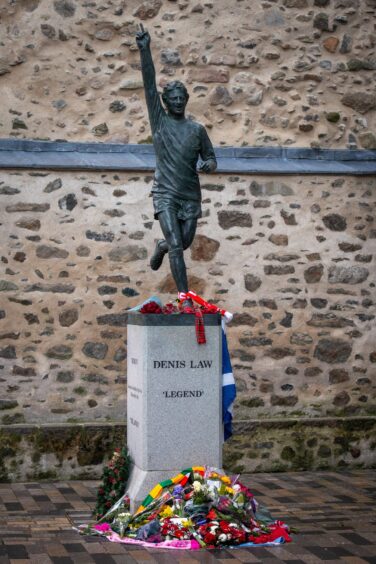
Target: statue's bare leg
pixel 188 229
pixel 172 231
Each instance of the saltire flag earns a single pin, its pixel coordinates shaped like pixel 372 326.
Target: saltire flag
pixel 228 388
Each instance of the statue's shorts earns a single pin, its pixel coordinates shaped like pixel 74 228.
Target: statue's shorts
pixel 184 209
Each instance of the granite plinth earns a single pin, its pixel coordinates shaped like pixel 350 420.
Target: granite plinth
pixel 174 405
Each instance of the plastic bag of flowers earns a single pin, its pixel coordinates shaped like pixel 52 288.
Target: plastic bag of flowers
pixel 200 507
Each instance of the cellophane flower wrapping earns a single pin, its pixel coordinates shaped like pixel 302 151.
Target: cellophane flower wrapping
pixel 210 510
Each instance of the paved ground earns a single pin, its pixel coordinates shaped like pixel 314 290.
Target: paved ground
pixel 334 512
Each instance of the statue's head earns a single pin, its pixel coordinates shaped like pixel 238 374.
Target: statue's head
pixel 175 97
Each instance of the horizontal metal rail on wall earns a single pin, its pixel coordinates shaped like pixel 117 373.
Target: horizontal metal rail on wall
pixel 64 155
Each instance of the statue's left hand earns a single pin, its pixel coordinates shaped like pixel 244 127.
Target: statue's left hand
pixel 207 166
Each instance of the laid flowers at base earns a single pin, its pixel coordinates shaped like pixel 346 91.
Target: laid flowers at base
pixel 200 507
pixel 115 477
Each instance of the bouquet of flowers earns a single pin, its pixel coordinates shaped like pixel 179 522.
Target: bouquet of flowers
pixel 114 481
pixel 200 507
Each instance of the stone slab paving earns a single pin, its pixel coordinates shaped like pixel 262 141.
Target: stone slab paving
pixel 334 513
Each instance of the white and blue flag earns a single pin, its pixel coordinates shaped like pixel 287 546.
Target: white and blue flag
pixel 228 388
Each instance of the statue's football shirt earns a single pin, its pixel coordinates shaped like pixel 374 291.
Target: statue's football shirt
pixel 178 144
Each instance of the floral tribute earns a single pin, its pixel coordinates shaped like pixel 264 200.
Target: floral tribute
pixel 199 508
pixel 114 481
pixel 167 309
pixel 178 307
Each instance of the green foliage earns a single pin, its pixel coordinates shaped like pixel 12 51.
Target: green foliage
pixel 12 419
pixel 114 482
pixel 42 475
pixel 333 117
pixel 80 390
pixel 147 140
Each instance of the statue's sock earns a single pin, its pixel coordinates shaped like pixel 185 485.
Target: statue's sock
pixel 162 244
pixel 178 269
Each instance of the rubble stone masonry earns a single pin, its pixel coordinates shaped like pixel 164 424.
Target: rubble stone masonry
pixel 292 256
pixel 288 72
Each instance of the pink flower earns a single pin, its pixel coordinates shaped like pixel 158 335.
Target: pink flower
pixel 102 527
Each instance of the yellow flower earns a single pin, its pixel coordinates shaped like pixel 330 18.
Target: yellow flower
pixel 230 490
pixel 166 511
pixel 225 479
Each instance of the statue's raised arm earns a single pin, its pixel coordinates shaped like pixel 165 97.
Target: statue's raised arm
pixel 148 75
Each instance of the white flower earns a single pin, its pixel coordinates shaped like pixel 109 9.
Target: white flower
pixel 123 517
pixel 197 487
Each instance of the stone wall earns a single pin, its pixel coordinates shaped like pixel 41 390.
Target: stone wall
pixel 290 72
pixel 293 257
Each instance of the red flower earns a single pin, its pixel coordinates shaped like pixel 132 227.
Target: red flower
pixel 238 535
pixel 211 515
pixel 210 538
pixel 245 490
pixel 225 527
pixel 151 307
pixel 169 308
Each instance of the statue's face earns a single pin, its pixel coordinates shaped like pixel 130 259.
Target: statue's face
pixel 176 101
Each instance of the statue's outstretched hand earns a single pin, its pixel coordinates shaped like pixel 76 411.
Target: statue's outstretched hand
pixel 142 38
pixel 207 166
